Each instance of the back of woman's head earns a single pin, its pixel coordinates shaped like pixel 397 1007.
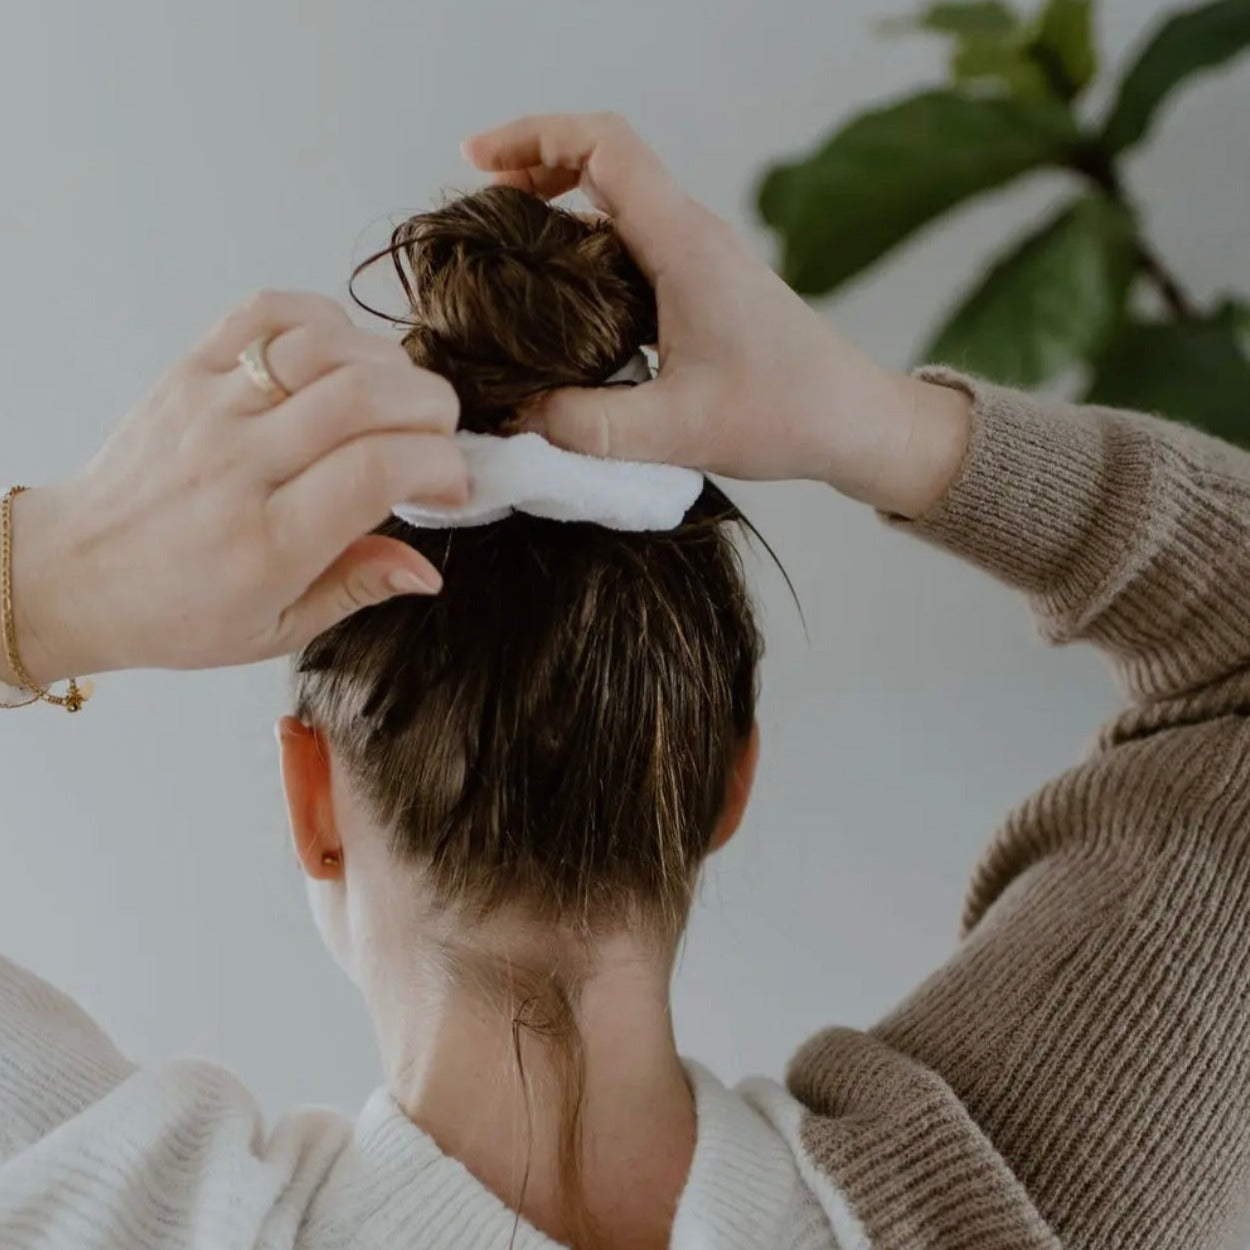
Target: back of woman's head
pixel 553 734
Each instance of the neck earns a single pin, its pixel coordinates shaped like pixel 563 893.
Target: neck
pixel 494 1079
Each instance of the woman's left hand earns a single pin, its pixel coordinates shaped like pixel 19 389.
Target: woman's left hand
pixel 217 527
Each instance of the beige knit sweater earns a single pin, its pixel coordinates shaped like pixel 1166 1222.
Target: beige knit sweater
pixel 1078 1074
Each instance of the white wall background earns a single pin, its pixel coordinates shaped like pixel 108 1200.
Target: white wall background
pixel 158 161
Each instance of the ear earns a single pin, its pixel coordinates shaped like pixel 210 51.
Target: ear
pixel 306 781
pixel 738 789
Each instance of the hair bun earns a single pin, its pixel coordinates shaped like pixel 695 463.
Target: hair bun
pixel 511 297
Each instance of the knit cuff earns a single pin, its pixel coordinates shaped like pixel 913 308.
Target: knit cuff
pixel 1024 503
pixel 1125 530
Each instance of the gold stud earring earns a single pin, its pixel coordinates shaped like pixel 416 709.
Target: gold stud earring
pixel 331 859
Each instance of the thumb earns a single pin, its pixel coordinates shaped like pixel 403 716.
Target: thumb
pixel 372 570
pixel 619 422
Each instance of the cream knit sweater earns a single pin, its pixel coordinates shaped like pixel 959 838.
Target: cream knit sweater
pixel 1077 1075
pixel 96 1154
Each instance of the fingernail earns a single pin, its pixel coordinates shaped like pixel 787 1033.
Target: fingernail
pixel 406 582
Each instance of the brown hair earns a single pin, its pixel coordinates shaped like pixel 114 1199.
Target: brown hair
pixel 553 734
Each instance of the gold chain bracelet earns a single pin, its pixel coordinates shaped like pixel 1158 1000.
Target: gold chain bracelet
pixel 77 694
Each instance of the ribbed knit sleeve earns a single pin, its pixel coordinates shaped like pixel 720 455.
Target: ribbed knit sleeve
pixel 1126 531
pixel 1077 1075
pixel 55 1062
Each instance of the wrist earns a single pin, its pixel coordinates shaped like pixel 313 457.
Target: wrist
pixel 40 578
pixel 892 441
pixel 898 442
pixel 939 427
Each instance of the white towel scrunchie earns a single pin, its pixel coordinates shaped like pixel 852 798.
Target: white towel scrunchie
pixel 525 473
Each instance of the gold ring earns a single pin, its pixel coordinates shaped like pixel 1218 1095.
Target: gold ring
pixel 254 363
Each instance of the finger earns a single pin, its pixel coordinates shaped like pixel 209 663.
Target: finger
pixel 345 494
pixel 264 315
pixel 356 399
pixel 547 183
pixel 618 171
pixel 623 423
pixel 551 140
pixel 372 570
pixel 302 355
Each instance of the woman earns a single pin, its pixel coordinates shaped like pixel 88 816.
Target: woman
pixel 1077 1074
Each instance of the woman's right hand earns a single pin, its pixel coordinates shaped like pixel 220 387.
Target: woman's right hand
pixel 218 528
pixel 752 382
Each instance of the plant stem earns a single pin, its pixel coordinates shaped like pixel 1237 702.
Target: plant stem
pixel 1099 168
pixel 1061 86
pixel 1174 296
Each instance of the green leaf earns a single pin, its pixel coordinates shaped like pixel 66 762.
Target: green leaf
pixel 976 17
pixel 1064 46
pixel 1050 303
pixel 890 172
pixel 1194 371
pixel 1193 41
pixel 994 49
pixel 1238 316
pixel 996 63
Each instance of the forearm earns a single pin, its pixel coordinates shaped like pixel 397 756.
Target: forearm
pixel 1127 531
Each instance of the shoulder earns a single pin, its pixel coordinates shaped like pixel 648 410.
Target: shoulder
pixel 748 1181
pixel 180 1150
pixel 793 1123
pixel 55 1061
pixel 887 1143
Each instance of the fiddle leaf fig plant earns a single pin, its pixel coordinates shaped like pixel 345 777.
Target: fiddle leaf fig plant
pixel 1085 291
